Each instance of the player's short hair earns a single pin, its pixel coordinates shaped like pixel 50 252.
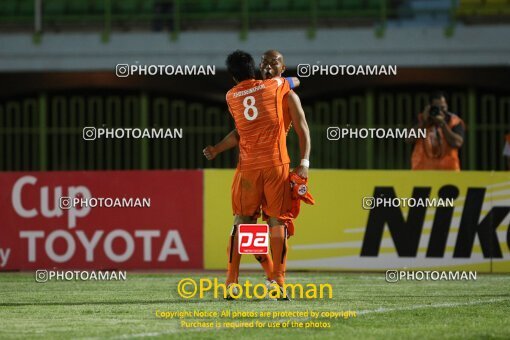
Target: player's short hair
pixel 437 95
pixel 241 65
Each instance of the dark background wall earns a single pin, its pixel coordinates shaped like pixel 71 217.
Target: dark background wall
pixel 42 115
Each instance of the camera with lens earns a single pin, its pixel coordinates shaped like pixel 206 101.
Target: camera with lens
pixel 434 111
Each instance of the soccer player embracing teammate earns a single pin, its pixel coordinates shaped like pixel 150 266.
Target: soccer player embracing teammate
pixel 262 111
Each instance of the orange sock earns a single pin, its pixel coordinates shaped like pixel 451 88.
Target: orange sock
pixel 234 258
pixel 267 263
pixel 279 251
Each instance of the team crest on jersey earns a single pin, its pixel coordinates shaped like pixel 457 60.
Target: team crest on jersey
pixel 302 189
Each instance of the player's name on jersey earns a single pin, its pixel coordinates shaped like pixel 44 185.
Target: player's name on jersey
pixel 245 92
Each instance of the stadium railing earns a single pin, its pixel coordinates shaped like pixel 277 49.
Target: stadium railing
pixel 44 132
pixel 175 15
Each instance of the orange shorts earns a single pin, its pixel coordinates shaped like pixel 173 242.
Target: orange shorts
pixel 268 188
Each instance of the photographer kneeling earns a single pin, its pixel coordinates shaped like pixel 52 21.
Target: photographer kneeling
pixel 439 150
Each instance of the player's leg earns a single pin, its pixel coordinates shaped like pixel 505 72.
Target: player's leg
pixel 247 191
pixel 234 258
pixel 277 199
pixel 267 264
pixel 278 240
pixel 265 260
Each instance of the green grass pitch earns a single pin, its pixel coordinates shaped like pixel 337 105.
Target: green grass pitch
pixel 432 310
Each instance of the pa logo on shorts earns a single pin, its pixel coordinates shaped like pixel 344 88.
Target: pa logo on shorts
pixel 253 239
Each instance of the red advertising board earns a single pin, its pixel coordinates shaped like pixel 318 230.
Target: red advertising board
pixel 101 220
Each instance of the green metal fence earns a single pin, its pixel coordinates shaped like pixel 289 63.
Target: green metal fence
pixel 240 15
pixel 45 132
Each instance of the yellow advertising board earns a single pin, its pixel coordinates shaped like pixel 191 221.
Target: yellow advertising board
pixel 379 220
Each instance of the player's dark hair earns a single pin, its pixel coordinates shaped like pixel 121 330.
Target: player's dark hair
pixel 437 95
pixel 241 65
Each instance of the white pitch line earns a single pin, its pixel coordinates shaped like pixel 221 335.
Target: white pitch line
pixel 154 334
pixel 440 305
pixel 145 335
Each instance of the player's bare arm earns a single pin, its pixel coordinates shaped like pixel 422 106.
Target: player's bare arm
pixel 296 81
pixel 230 141
pixel 297 115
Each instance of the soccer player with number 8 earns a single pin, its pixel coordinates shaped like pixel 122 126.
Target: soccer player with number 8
pixel 261 177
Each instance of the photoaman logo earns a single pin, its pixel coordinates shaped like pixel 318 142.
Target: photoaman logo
pixel 188 288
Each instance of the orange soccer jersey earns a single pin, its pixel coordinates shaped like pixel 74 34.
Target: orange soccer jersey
pixel 256 106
